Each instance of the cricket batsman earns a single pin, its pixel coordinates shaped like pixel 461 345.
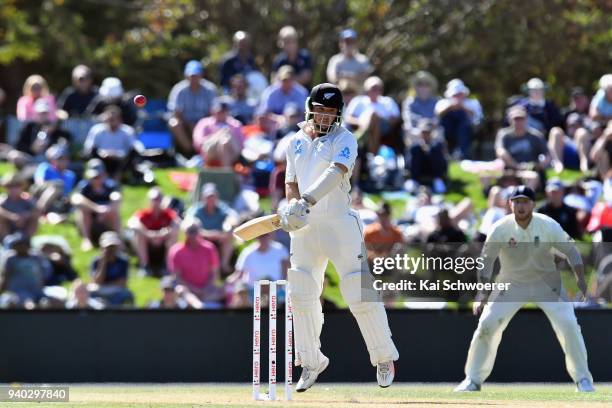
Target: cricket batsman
pixel 323 227
pixel 526 243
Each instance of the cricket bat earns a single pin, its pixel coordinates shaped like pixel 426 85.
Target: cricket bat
pixel 258 226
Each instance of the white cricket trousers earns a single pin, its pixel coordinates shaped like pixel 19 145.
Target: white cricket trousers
pixel 493 321
pixel 339 240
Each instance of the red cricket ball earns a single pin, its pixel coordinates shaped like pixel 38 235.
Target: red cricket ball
pixel 140 100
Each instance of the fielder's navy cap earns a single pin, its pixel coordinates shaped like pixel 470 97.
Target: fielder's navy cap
pixel 523 192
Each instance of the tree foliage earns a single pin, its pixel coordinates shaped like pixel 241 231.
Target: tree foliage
pixel 494 45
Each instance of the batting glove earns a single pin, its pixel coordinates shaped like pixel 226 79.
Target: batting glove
pixel 294 216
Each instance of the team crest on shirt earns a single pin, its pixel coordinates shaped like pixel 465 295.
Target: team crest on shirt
pixel 299 145
pixel 512 242
pixel 346 153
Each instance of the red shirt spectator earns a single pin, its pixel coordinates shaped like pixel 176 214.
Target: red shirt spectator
pixel 163 219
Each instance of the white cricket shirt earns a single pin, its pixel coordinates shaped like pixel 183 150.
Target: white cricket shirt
pixel 307 159
pixel 527 255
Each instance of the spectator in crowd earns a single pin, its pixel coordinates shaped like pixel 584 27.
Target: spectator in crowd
pixel 497 208
pixel 424 213
pixel 97 200
pixel 109 271
pixel 189 101
pixel 422 103
pixel 174 296
pixel 195 263
pixel 374 116
pixel 76 98
pixel 570 148
pixel 216 219
pixel 264 259
pixel 111 92
pixel 277 176
pixel 542 114
pixel 218 138
pixel 579 103
pixel 520 146
pixel 601 153
pixel 601 105
pixel 239 60
pixel 293 55
pixel 111 141
pixel 292 115
pixel 264 125
pixel 242 107
pixel 58 252
pixel 156 230
pixel 18 213
pixel 80 298
pixel 459 116
pixel 38 133
pixel 35 88
pixel 349 63
pixel 23 272
pixel 556 209
pixel 284 91
pixel 367 213
pixel 447 231
pixel 349 88
pixel 54 181
pixel 239 296
pixel 382 237
pixel 428 161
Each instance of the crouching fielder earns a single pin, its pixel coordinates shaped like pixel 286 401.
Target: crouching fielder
pixel 526 244
pixel 320 159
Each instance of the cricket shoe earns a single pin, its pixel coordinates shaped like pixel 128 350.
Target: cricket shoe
pixel 467 385
pixel 309 375
pixel 385 373
pixel 585 385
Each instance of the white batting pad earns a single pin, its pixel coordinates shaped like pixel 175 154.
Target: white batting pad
pixel 372 320
pixel 307 318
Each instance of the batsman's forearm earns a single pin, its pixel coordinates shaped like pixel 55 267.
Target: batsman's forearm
pixel 330 179
pixel 292 191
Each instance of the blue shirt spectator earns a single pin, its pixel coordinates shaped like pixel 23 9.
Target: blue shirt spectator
pixel 239 60
pixel 422 104
pixel 109 271
pixel 23 272
pixel 56 169
pixel 242 107
pixel 210 211
pixel 192 97
pixel 211 220
pixel 115 269
pixel 99 196
pixel 283 92
pixel 291 54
